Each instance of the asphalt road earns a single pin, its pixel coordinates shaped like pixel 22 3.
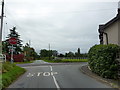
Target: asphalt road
pixel 44 75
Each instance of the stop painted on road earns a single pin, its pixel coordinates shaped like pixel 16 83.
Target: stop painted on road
pixel 45 74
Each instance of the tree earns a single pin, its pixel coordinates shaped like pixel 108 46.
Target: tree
pixel 77 54
pixel 29 53
pixel 70 54
pixel 17 47
pixel 61 55
pixel 48 53
pixel 78 50
pixel 44 53
pixel 5 49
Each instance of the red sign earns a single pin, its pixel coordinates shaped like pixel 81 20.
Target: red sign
pixel 13 41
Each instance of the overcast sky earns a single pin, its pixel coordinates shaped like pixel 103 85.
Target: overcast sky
pixel 65 24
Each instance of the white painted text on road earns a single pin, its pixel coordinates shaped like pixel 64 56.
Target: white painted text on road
pixel 45 74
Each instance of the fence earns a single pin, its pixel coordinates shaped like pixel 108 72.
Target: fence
pixel 2 58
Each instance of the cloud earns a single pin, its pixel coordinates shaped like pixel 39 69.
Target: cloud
pixel 65 24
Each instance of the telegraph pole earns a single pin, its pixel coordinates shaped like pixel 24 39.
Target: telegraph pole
pixel 29 42
pixel 49 51
pixel 1 17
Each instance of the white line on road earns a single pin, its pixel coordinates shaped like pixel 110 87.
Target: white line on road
pixel 55 81
pixel 51 68
pixel 35 66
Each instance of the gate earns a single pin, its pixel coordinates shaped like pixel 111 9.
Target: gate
pixel 2 58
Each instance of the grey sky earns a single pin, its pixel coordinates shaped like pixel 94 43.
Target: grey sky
pixel 65 24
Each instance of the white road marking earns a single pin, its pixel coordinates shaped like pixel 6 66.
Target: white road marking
pixel 55 81
pixel 30 75
pixel 35 66
pixel 52 73
pixel 46 74
pixel 51 68
pixel 39 73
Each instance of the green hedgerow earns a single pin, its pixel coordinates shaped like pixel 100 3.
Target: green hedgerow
pixel 102 60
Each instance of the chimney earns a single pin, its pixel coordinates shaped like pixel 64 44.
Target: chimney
pixel 101 28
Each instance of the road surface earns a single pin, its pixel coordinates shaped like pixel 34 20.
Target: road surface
pixel 45 75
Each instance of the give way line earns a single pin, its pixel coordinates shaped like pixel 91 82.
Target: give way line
pixel 55 81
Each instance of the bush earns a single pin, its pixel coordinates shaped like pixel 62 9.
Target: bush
pixel 12 72
pixel 102 60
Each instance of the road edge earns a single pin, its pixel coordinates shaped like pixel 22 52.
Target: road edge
pixel 98 78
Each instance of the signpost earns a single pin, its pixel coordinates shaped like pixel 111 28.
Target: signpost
pixel 12 41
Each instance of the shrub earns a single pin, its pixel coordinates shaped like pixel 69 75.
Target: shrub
pixel 102 60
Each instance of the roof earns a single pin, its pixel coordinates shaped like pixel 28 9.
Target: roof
pixel 102 27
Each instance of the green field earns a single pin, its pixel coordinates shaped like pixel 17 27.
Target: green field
pixel 74 60
pixel 67 60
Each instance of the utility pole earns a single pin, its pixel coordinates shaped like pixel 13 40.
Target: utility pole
pixel 49 51
pixel 29 42
pixel 1 17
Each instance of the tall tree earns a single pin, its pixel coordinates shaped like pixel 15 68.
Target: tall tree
pixel 17 47
pixel 77 54
pixel 78 50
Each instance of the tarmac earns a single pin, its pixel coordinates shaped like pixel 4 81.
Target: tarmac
pixel 113 83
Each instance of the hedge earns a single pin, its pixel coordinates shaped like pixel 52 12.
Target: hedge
pixel 102 60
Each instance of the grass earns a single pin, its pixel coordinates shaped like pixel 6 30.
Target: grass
pixel 52 61
pixel 24 62
pixel 67 60
pixel 75 60
pixel 10 72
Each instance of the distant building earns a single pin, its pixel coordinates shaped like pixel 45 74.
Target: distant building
pixel 109 33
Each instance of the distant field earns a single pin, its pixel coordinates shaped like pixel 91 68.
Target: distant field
pixel 67 60
pixel 74 60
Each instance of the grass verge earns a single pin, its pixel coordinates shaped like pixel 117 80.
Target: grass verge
pixel 10 72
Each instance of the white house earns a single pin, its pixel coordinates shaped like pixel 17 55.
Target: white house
pixel 109 33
